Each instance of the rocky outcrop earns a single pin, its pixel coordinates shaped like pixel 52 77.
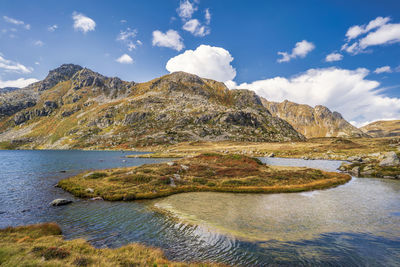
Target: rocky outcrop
pixel 382 128
pixel 390 159
pixel 313 122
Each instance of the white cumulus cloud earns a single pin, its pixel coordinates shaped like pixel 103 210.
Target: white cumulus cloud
pixel 378 32
pixel 83 23
pixel 347 91
pixel 383 69
pixel 301 49
pixel 358 30
pixel 21 82
pixel 205 61
pixel 170 39
pixel 194 26
pixel 11 66
pixel 333 57
pixel 125 59
pixel 186 9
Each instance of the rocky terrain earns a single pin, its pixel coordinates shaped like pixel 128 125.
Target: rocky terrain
pixel 313 122
pixel 74 107
pixel 8 89
pixel 382 128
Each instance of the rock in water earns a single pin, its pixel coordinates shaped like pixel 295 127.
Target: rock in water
pixel 390 159
pixel 60 202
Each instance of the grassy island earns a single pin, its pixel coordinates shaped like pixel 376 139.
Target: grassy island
pixel 205 172
pixel 43 245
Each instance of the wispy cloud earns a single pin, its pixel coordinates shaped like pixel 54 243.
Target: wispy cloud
pixel 12 66
pixel 52 28
pixel 17 22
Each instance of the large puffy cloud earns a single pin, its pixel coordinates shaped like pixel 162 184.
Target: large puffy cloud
pixel 301 49
pixel 205 61
pixel 170 39
pixel 347 91
pixel 11 66
pixel 21 82
pixel 83 23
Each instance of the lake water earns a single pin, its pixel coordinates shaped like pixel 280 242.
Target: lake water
pixel 355 224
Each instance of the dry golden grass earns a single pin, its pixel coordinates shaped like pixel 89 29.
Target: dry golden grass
pixel 206 172
pixel 338 148
pixel 43 245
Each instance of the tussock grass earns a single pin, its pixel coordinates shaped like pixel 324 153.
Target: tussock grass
pixel 43 245
pixel 206 172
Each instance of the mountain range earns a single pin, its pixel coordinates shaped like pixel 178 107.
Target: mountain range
pixel 75 107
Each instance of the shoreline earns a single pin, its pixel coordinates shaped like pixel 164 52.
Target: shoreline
pixel 203 173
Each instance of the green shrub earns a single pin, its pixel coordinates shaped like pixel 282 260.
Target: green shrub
pixel 96 175
pixel 199 180
pixel 55 253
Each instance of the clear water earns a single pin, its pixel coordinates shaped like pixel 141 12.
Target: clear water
pixel 356 224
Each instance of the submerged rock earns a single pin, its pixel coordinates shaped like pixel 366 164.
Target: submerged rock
pixel 60 202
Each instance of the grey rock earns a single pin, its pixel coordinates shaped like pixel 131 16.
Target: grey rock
pixel 89 190
pixel 60 202
pixel 96 198
pixel 184 167
pixel 355 171
pixel 390 159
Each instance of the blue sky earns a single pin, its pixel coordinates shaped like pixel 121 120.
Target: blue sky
pixel 236 42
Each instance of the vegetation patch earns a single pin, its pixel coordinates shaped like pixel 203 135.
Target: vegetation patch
pixel 43 245
pixel 205 172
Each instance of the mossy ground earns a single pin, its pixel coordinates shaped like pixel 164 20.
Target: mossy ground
pixel 206 172
pixel 43 245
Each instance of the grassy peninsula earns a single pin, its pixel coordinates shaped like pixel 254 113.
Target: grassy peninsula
pixel 205 172
pixel 43 245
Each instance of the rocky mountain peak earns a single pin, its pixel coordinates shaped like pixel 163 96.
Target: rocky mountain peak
pixel 313 122
pixel 60 74
pixel 183 77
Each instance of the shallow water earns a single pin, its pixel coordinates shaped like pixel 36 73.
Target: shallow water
pixel 356 224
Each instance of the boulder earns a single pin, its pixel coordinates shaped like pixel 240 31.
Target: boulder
pixel 390 159
pixel 354 159
pixel 60 202
pixel 89 190
pixel 355 171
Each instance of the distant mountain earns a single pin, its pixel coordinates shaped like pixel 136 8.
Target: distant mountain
pixel 8 89
pixel 75 107
pixel 313 122
pixel 382 128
